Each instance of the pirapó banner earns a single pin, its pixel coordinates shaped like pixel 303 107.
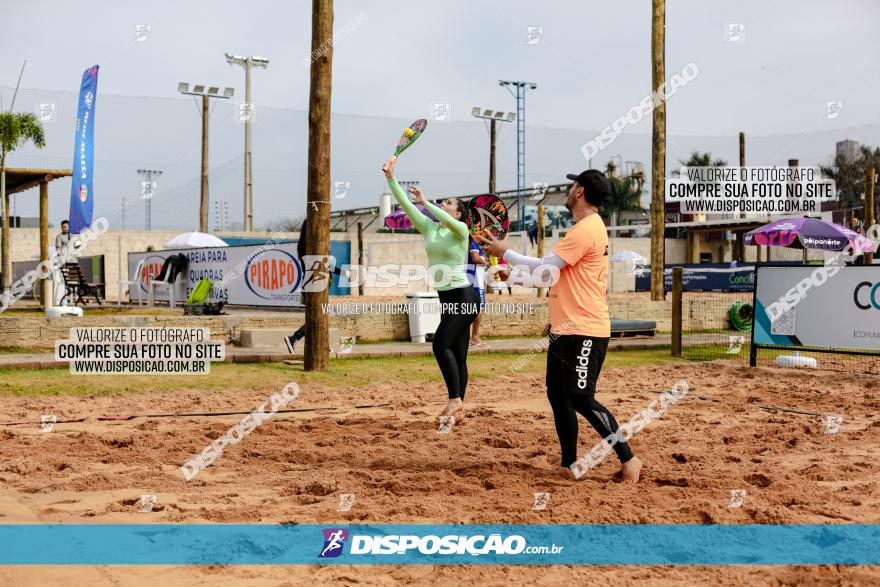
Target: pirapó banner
pixel 251 275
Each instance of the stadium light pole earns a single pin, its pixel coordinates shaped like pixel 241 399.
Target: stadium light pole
pixel 519 92
pixel 206 93
pixel 248 63
pixel 147 194
pixel 493 117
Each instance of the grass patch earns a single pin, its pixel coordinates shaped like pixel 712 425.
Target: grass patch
pixel 710 352
pixel 23 350
pixel 343 373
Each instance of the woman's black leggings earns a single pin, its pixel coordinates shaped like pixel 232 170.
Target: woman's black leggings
pixel 459 308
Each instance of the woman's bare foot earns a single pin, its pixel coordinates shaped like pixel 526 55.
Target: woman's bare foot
pixel 452 407
pixel 631 470
pixel 565 473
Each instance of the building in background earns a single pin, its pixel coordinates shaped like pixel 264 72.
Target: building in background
pixel 849 149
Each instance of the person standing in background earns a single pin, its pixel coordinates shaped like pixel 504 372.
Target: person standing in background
pixel 477 273
pixel 62 239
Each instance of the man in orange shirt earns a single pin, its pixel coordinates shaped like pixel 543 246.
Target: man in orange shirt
pixel 579 322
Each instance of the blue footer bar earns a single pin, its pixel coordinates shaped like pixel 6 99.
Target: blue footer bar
pixel 545 544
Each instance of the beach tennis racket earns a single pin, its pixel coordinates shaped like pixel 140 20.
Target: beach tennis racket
pixel 410 134
pixel 487 213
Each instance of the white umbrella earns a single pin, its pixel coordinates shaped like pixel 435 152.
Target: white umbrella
pixel 194 240
pixel 628 256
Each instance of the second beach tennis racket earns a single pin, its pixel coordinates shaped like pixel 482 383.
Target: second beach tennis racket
pixel 484 213
pixel 410 134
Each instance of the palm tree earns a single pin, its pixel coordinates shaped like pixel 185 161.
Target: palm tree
pixel 702 160
pixel 849 176
pixel 626 194
pixel 15 130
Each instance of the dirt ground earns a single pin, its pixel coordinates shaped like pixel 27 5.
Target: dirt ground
pixel 725 435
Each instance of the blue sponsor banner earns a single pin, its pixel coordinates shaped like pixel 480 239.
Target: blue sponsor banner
pixel 539 544
pixel 82 198
pixel 705 277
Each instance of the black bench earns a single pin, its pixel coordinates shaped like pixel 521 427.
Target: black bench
pixel 76 288
pixel 621 328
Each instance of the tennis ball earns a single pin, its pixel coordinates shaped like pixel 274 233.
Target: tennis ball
pixel 408 132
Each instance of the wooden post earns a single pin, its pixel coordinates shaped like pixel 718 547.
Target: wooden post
pixel 693 246
pixel 203 204
pixel 688 245
pixel 6 268
pixel 360 258
pixel 658 151
pixel 677 287
pixel 44 236
pixel 541 240
pixel 869 208
pixel 318 189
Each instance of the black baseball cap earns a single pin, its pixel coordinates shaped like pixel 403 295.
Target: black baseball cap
pixel 596 186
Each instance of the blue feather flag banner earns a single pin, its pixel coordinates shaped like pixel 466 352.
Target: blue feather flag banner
pixel 82 197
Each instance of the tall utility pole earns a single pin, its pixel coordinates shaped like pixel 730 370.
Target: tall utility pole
pixel 148 189
pixel 520 94
pixel 318 184
pixel 493 117
pixel 870 178
pixel 203 200
pixel 658 151
pixel 492 156
pixel 740 253
pixel 206 94
pixel 247 63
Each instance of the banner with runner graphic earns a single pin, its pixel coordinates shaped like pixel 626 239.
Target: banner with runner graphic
pixel 438 544
pixel 82 198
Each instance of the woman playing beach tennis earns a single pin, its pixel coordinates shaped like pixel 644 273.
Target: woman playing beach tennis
pixel 446 243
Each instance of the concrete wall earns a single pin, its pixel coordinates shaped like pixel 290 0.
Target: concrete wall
pixel 700 312
pixel 379 249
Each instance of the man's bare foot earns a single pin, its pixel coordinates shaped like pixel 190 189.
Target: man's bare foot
pixel 631 470
pixel 452 407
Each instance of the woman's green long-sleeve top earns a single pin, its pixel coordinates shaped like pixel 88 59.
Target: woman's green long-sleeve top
pixel 446 246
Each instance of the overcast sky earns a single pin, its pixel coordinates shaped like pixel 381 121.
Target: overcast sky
pixel 591 64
